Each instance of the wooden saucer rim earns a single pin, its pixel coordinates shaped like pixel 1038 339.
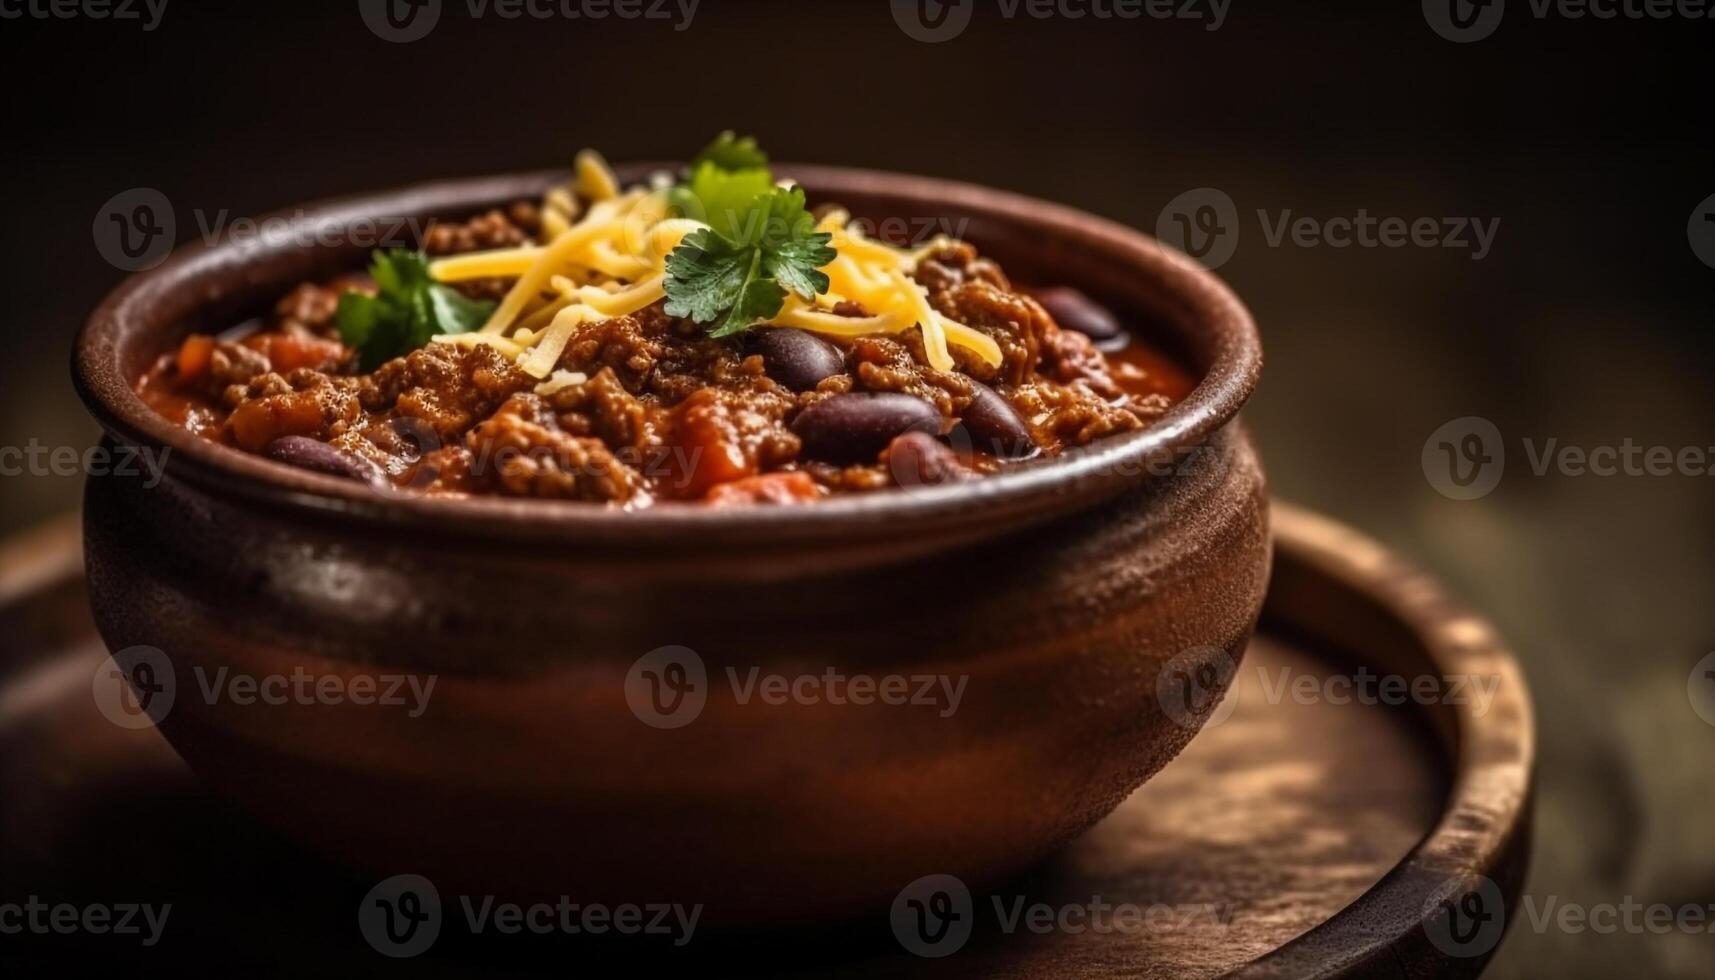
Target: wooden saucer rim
pixel 1482 834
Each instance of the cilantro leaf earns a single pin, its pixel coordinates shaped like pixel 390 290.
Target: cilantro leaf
pixel 711 278
pixel 742 278
pixel 792 250
pixel 408 309
pixel 454 312
pixel 730 152
pixel 705 275
pixel 720 198
pixel 757 301
pixel 721 183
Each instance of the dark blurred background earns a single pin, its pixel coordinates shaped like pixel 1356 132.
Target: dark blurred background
pixel 1590 142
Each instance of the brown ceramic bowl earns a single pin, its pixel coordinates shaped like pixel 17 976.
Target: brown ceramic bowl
pixel 1058 592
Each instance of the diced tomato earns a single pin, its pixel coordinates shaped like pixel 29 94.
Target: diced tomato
pixel 194 357
pixel 768 488
pixel 258 422
pixel 290 351
pixel 705 447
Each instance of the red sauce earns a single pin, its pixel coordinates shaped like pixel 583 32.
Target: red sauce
pixel 1143 371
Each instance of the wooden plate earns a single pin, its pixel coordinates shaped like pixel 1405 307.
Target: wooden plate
pixel 1332 823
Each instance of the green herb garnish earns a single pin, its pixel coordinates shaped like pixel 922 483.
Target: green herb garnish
pixel 730 152
pixel 721 182
pixel 761 241
pixel 408 309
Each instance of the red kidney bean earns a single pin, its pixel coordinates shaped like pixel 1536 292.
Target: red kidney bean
pixel 796 358
pixel 1073 310
pixel 918 459
pixel 994 427
pixel 309 454
pixel 856 426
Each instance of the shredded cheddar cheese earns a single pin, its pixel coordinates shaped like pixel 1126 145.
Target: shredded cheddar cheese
pixel 561 379
pixel 505 262
pixel 509 347
pixel 609 260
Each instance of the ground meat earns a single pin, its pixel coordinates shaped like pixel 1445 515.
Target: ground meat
pixel 689 412
pixel 232 366
pixel 958 262
pixel 973 291
pixel 306 403
pixel 605 408
pixel 1072 358
pixel 448 470
pixel 629 346
pixel 510 228
pixel 514 226
pixel 897 364
pixel 521 451
pixel 693 361
pixel 447 387
pixel 309 307
pixel 849 479
pixel 1065 415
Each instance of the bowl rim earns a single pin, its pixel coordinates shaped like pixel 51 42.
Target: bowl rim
pixel 1075 479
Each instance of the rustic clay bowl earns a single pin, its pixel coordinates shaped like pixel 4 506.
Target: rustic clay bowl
pixel 1059 591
